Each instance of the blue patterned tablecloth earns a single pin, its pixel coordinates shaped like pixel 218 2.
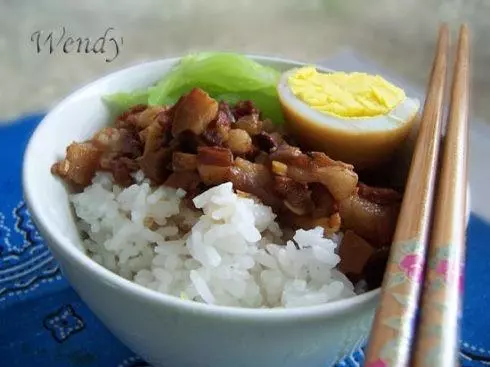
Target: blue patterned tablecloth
pixel 43 322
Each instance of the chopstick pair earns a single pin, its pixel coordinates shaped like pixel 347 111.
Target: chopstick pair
pixel 416 323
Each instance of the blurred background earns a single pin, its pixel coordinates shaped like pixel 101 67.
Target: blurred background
pixel 398 35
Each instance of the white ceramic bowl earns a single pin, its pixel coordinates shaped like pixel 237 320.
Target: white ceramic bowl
pixel 164 330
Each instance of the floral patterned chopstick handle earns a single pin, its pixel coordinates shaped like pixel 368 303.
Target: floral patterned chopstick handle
pixel 395 320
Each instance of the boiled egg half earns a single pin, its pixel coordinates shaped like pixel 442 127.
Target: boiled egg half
pixel 357 118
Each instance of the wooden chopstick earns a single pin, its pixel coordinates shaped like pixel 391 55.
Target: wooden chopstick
pixel 438 331
pixel 393 326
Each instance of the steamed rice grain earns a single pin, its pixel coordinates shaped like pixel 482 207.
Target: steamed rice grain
pixel 229 251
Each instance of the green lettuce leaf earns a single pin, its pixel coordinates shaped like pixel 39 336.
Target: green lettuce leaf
pixel 224 76
pixel 120 102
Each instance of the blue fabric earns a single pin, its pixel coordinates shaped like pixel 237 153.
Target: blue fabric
pixel 43 322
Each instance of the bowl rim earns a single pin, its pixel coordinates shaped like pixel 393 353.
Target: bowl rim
pixel 67 248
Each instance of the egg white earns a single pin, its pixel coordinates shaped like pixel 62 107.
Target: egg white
pixel 403 113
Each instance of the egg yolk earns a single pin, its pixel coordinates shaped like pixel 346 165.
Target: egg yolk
pixel 345 95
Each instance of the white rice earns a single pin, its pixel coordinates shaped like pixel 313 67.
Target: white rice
pixel 226 252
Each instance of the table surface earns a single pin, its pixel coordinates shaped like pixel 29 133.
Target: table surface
pixel 399 35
